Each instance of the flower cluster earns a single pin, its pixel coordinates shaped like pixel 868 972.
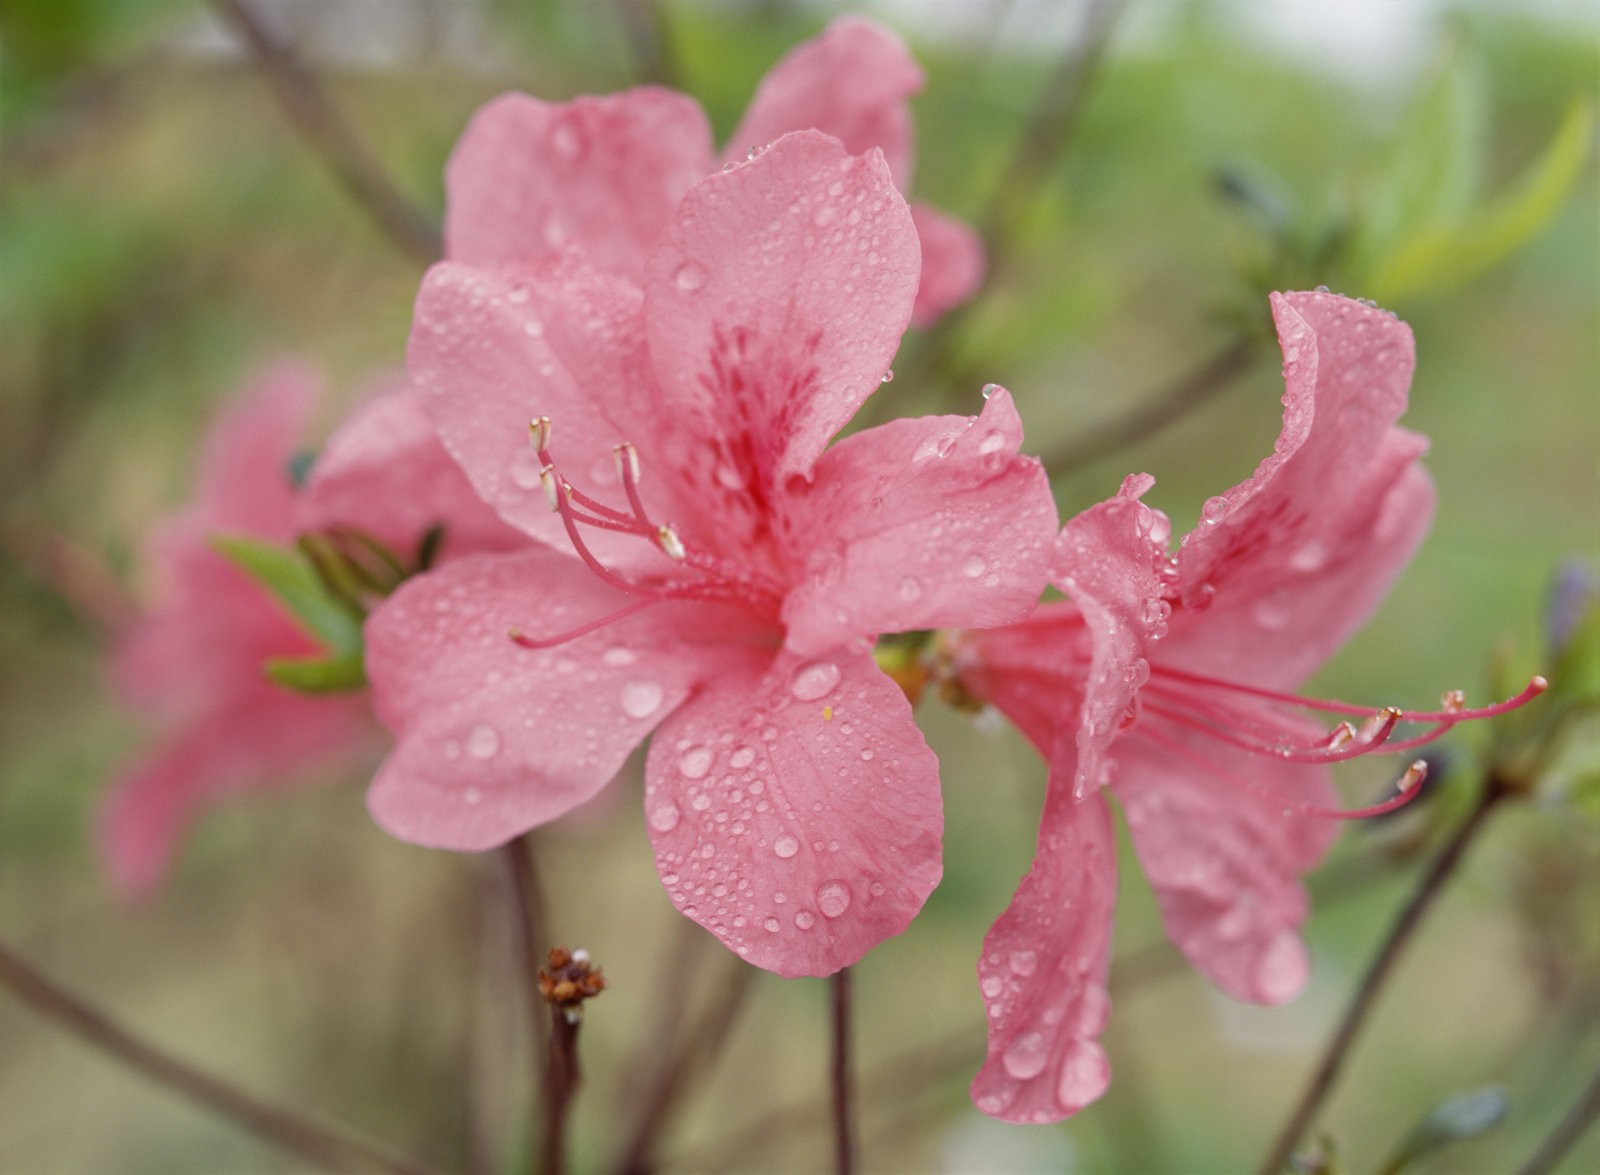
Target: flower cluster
pixel 626 385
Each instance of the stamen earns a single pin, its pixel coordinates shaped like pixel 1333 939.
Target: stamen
pixel 627 461
pixel 1454 702
pixel 539 430
pixel 547 482
pixel 527 642
pixel 1341 744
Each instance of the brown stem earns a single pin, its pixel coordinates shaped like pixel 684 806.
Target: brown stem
pixel 527 898
pixel 699 1047
pixel 307 104
pixel 562 1078
pixel 1567 1132
pixel 1150 414
pixel 315 1142
pixel 844 1125
pixel 1428 888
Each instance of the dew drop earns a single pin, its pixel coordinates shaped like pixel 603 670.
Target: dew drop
pixel 483 742
pixel 992 986
pixel 833 898
pixel 1214 509
pixel 1272 614
pixel 910 590
pixel 566 140
pixel 1310 556
pixel 525 471
pixel 640 699
pixel 1024 962
pixel 973 567
pixel 1085 1073
pixel 690 276
pixel 805 919
pixel 990 389
pixel 993 441
pixel 824 216
pixel 815 680
pixel 618 657
pixel 786 847
pixel 664 816
pixel 772 925
pixel 1027 1056
pixel 701 802
pixel 742 758
pixel 695 762
pixel 888 377
pixel 472 796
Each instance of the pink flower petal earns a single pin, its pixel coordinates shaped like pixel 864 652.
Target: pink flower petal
pixel 1110 560
pixel 530 179
pixel 244 475
pixel 1029 670
pixel 385 473
pixel 1224 839
pixel 1273 632
pixel 851 82
pixel 487 355
pixel 777 303
pixel 494 739
pixel 795 810
pixel 1336 480
pixel 1043 969
pixel 953 263
pixel 925 523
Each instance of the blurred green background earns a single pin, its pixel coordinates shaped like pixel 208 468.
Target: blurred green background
pixel 163 231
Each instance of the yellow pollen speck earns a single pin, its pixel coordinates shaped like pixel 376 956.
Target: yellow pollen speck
pixel 827 713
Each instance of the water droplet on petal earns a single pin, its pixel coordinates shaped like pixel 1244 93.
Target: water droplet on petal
pixel 1214 509
pixel 525 471
pixel 483 742
pixel 786 847
pixel 833 898
pixel 1310 556
pixel 1085 1073
pixel 910 590
pixel 772 925
pixel 619 657
pixel 664 816
pixel 695 762
pixel 1283 968
pixel 990 389
pixel 992 986
pixel 974 567
pixel 815 680
pixel 1027 1056
pixel 690 276
pixel 1024 962
pixel 741 758
pixel 888 377
pixel 993 441
pixel 640 699
pixel 567 141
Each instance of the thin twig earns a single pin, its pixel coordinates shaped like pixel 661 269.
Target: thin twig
pixel 315 1142
pixel 308 106
pixel 645 26
pixel 1428 888
pixel 698 1049
pixel 844 1110
pixel 1150 414
pixel 531 934
pixel 562 1078
pixel 1567 1132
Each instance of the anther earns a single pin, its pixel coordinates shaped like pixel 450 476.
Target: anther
pixel 539 433
pixel 547 481
pixel 668 540
pixel 627 461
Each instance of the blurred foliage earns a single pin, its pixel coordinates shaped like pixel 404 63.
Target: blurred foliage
pixel 162 232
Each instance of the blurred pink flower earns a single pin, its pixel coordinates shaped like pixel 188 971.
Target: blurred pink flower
pixel 732 568
pixel 1167 680
pixel 194 661
pixel 531 180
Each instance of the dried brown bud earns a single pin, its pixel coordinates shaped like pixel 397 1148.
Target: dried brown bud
pixel 568 979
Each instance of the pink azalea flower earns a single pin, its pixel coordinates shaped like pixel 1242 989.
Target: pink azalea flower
pixel 1168 681
pixel 531 180
pixel 731 569
pixel 194 661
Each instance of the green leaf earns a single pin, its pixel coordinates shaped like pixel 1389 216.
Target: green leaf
pixel 319 675
pixel 1464 1116
pixel 1433 169
pixel 289 575
pixel 1451 254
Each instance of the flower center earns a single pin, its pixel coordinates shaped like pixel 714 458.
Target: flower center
pixel 709 579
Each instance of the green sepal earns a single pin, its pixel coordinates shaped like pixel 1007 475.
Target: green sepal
pixel 294 582
pixel 319 675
